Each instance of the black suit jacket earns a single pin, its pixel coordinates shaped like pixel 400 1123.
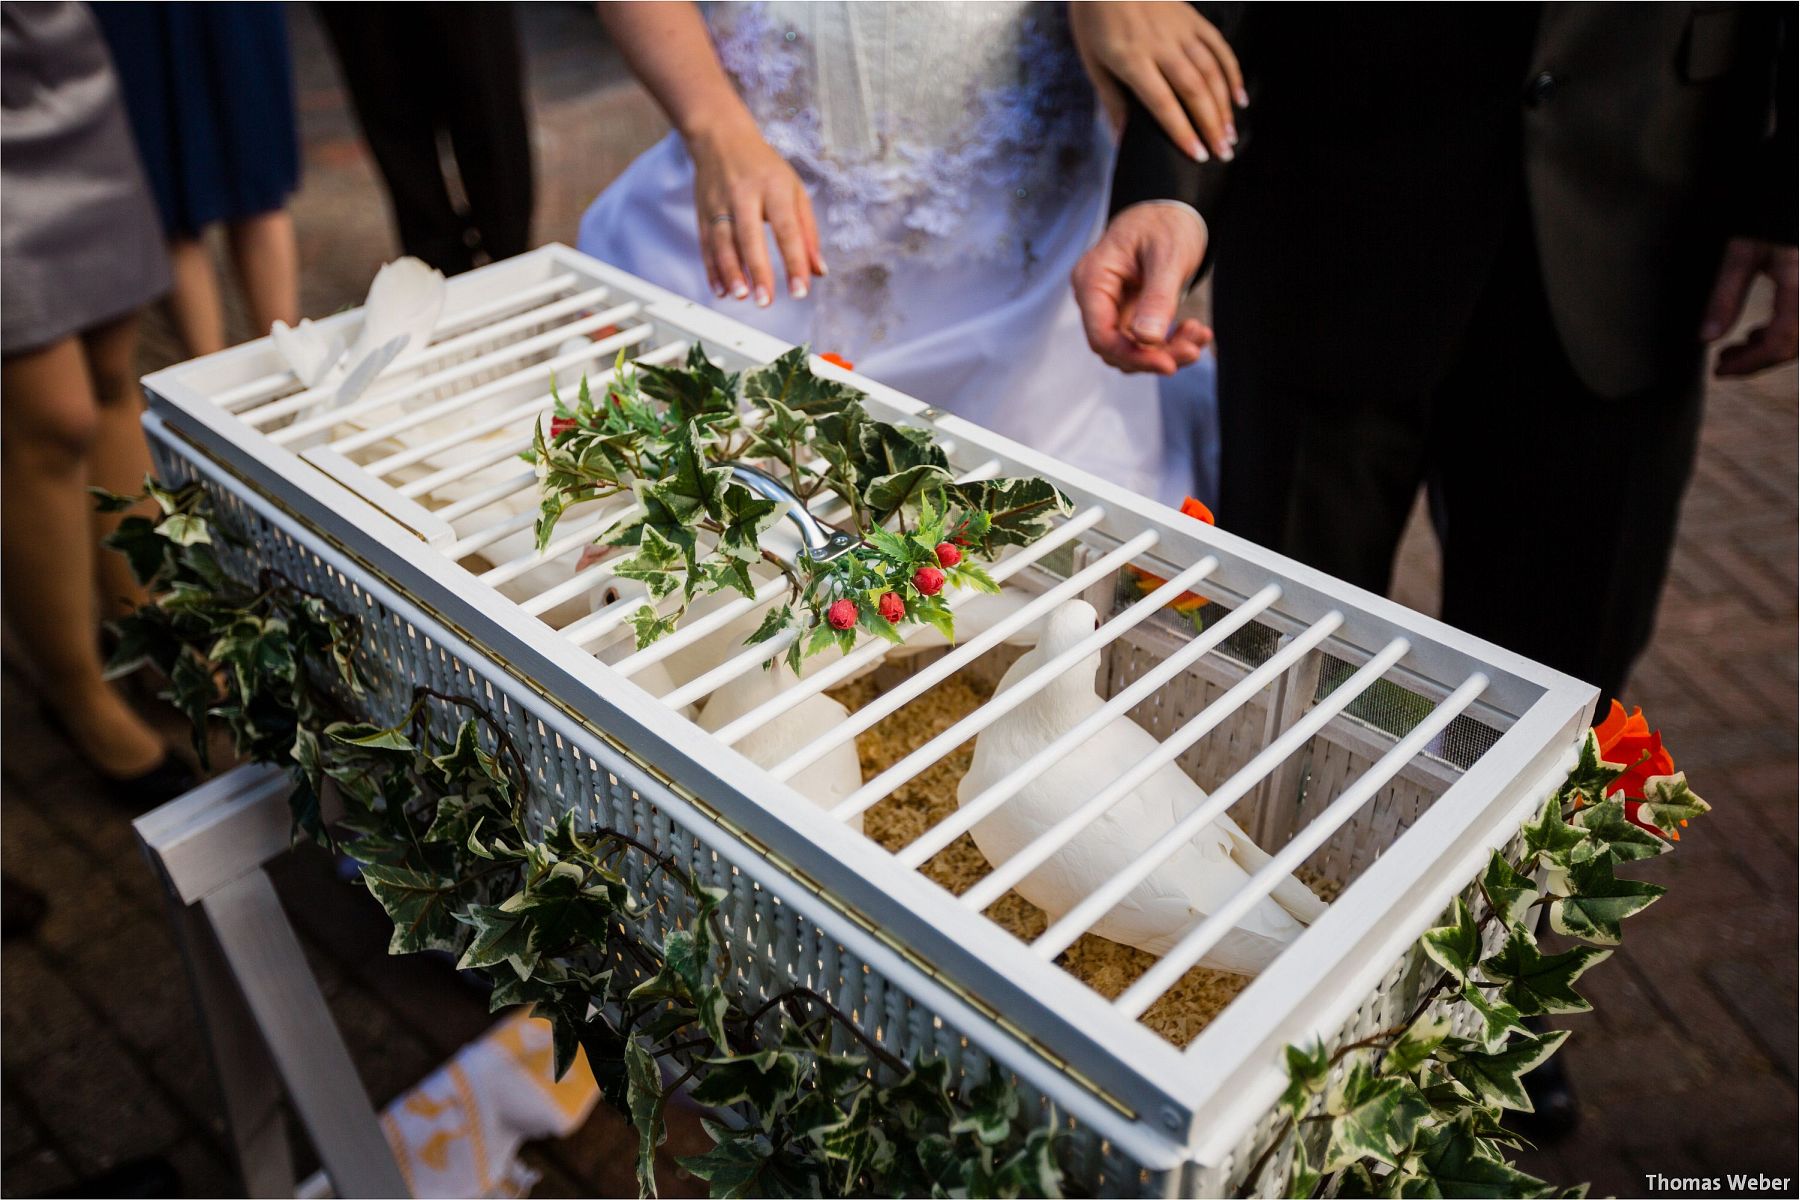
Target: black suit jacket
pixel 1386 149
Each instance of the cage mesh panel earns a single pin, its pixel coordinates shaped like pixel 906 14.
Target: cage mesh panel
pixel 775 948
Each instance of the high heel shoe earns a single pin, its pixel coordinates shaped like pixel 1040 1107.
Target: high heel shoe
pixel 162 782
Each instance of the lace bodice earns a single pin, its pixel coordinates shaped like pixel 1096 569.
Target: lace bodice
pixel 907 120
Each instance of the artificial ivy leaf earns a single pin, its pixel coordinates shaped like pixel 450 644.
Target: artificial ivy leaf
pixel 659 564
pixel 644 1100
pixel 185 529
pixel 735 1165
pixel 1302 1180
pixel 790 380
pixel 907 488
pixel 1494 1078
pixel 374 737
pixel 1598 901
pixel 1454 1163
pixel 1307 1070
pixel 145 550
pixel 1592 774
pixel 1550 839
pixel 114 502
pixel 1498 1018
pixel 773 622
pixel 1019 511
pixel 1456 946
pixel 1511 893
pixel 745 516
pixel 649 624
pixel 1032 1169
pixel 421 904
pixel 1612 835
pixel 1538 984
pixel 766 1080
pixel 699 389
pixel 1372 1116
pixel 501 936
pixel 993 1107
pixel 1669 803
pixel 1416 1045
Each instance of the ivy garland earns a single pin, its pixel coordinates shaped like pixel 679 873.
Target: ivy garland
pixel 664 436
pixel 1414 1111
pixel 438 824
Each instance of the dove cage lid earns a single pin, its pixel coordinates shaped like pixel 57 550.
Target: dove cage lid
pixel 1347 729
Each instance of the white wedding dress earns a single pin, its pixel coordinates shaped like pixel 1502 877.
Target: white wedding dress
pixel 958 169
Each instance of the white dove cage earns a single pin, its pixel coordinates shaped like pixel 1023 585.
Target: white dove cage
pixel 1377 752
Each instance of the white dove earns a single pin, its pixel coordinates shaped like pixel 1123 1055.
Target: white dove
pixel 1195 881
pixel 398 315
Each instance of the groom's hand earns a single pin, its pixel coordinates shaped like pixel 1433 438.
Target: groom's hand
pixel 1768 345
pixel 1129 285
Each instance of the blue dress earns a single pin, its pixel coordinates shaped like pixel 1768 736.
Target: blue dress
pixel 209 89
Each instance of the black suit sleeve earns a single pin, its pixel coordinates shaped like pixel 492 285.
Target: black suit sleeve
pixel 1773 192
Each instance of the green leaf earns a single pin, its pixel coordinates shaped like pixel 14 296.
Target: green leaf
pixel 1538 984
pixel 735 1165
pixel 1456 946
pixel 905 488
pixel 773 622
pixel 1612 835
pixel 766 1080
pixel 501 936
pixel 185 529
pixel 1599 901
pixel 1302 1180
pixel 659 564
pixel 746 515
pixel 649 624
pixel 1453 1163
pixel 1592 774
pixel 1550 839
pixel 421 904
pixel 1669 803
pixel 644 1097
pixel 993 1107
pixel 1413 1047
pixel 1495 1078
pixel 375 737
pixel 1499 1020
pixel 1372 1116
pixel 790 380
pixel 1510 893
pixel 1018 511
pixel 114 502
pixel 1307 1071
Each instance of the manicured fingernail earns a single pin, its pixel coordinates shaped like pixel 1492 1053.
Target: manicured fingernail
pixel 797 288
pixel 1198 151
pixel 739 289
pixel 1226 153
pixel 763 299
pixel 1243 98
pixel 823 269
pixel 719 290
pixel 1231 133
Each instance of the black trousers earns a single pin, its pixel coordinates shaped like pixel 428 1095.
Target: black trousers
pixel 417 70
pixel 1555 507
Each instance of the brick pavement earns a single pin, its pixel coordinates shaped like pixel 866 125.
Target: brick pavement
pixel 1688 1068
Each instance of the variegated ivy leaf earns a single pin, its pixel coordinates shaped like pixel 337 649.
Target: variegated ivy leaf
pixel 745 516
pixel 422 905
pixel 1452 1162
pixel 370 737
pixel 1494 1078
pixel 1669 803
pixel 774 621
pixel 1539 984
pixel 736 1164
pixel 1307 1071
pixel 993 1107
pixel 1373 1116
pixel 185 529
pixel 1455 946
pixel 1019 511
pixel 1611 835
pixel 1420 1041
pixel 700 390
pixel 790 381
pixel 1032 1169
pixel 644 1098
pixel 649 625
pixel 501 936
pixel 767 1080
pixel 1510 893
pixel 905 489
pixel 1599 901
pixel 1499 1020
pixel 1550 839
pixel 1302 1179
pixel 660 564
pixel 1592 774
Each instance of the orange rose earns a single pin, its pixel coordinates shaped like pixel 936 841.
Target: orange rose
pixel 1629 741
pixel 1146 582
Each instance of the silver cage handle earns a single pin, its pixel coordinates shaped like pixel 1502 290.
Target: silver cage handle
pixel 822 542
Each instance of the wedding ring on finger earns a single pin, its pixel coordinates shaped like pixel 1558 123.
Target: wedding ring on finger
pixel 723 218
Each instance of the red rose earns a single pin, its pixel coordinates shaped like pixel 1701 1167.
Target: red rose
pixel 891 607
pixel 929 581
pixel 842 614
pixel 560 426
pixel 948 554
pixel 1629 741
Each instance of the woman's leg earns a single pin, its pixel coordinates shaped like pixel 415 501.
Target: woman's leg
pixel 267 258
pixel 49 424
pixel 120 458
pixel 194 300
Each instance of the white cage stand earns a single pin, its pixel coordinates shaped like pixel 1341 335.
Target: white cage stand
pixel 266 1023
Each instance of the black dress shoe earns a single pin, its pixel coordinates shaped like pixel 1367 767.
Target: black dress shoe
pixel 134 1177
pixel 21 908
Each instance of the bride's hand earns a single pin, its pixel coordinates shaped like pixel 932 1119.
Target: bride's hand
pixel 1176 62
pixel 740 183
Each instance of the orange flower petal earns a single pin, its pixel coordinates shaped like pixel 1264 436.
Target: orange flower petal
pixel 1191 507
pixel 838 360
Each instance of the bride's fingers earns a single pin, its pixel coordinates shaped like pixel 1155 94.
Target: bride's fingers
pixel 753 246
pixel 1226 58
pixel 809 229
pixel 1202 60
pixel 1197 95
pixel 1160 99
pixel 721 244
pixel 791 241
